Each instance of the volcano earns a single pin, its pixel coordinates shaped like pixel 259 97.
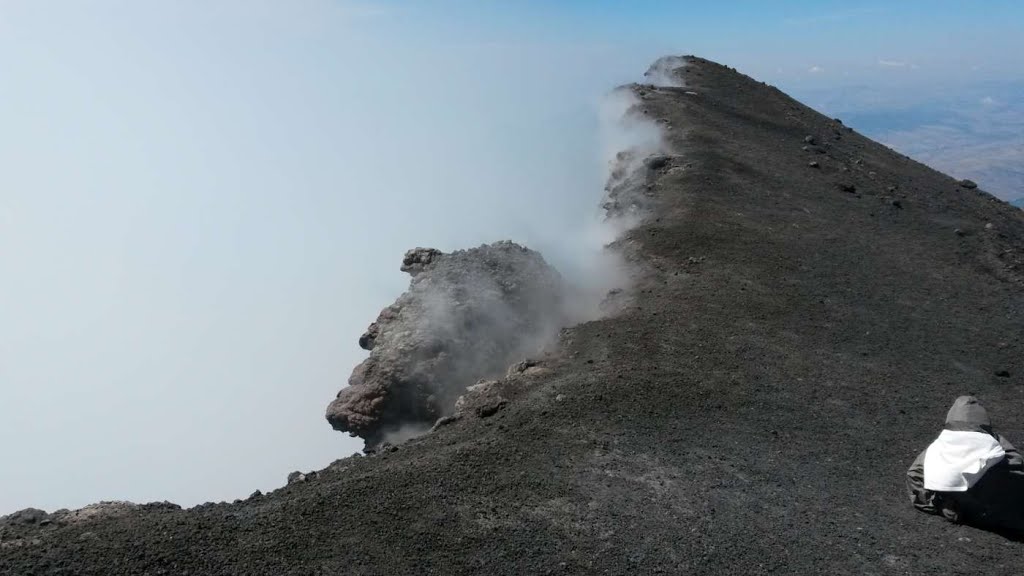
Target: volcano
pixel 805 306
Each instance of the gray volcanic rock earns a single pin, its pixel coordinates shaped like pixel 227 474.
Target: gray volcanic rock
pixel 418 259
pixel 629 191
pixel 26 516
pixel 467 315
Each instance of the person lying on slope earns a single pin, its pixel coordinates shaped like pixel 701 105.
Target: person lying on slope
pixel 970 474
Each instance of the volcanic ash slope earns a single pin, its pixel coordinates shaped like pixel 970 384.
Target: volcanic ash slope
pixel 811 303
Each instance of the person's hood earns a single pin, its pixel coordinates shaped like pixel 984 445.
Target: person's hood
pixel 964 451
pixel 968 413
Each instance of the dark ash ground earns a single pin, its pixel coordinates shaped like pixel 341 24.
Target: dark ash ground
pixel 797 339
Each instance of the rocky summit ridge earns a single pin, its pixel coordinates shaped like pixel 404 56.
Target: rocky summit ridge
pixel 806 303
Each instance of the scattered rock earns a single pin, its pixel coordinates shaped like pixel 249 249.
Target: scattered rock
pixel 444 421
pixel 989 226
pixel 815 149
pixel 1003 373
pixel 657 161
pixel 255 495
pixel 847 187
pixel 892 560
pixel 809 139
pixel 959 232
pixel 813 164
pixel 896 203
pixel 491 408
pixel 482 399
pixel 296 477
pixel 520 367
pixel 367 340
pixel 969 184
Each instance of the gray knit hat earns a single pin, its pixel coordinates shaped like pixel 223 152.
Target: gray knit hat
pixel 968 410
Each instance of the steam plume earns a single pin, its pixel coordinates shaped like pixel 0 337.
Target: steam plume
pixel 470 314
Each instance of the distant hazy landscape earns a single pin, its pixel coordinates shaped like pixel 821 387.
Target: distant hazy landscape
pixel 974 132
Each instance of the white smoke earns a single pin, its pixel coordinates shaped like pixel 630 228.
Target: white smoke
pixel 627 139
pixel 666 72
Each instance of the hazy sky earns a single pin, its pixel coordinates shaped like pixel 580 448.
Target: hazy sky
pixel 204 203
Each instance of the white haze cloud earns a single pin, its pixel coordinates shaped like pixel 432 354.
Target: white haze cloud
pixel 196 233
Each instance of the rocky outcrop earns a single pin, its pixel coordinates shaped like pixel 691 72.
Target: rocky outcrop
pixel 629 192
pixel 634 170
pixel 467 316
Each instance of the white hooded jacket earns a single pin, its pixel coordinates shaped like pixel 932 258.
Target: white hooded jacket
pixel 957 459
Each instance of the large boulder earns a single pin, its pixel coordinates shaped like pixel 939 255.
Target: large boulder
pixel 466 316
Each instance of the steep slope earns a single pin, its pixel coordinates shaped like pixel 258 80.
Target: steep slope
pixel 795 339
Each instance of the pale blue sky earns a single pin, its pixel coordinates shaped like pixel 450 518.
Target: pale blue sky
pixel 203 204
